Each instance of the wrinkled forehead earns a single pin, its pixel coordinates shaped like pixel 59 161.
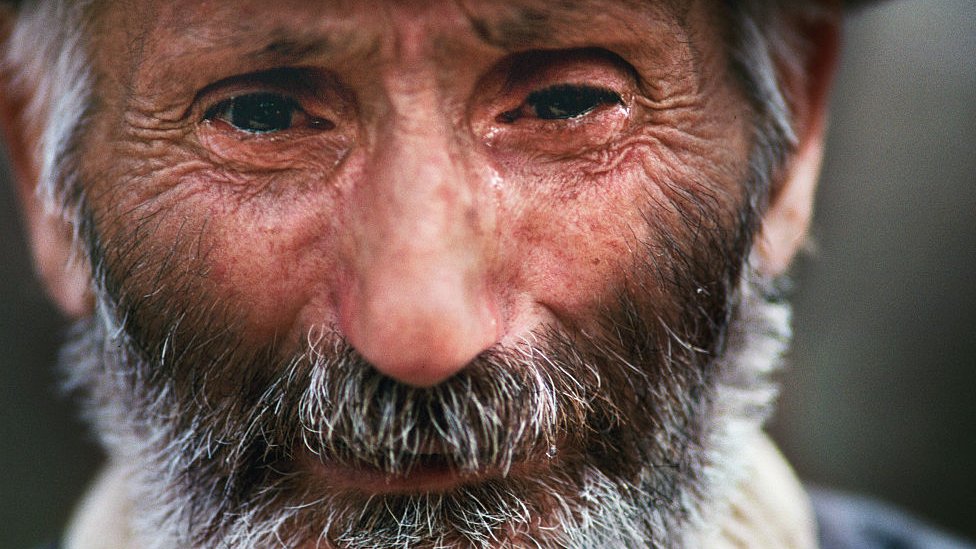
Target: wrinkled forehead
pixel 512 24
pixel 132 34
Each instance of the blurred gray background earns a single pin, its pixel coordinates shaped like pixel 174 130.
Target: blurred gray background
pixel 879 398
pixel 881 395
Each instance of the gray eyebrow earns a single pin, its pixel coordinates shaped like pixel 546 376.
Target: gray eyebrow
pixel 291 48
pixel 283 45
pixel 527 26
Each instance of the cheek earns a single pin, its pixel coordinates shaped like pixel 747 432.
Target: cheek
pixel 575 232
pixel 271 267
pixel 594 226
pixel 277 259
pixel 250 250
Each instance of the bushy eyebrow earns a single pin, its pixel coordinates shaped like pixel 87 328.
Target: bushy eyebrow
pixel 285 46
pixel 542 22
pixel 525 27
pixel 291 48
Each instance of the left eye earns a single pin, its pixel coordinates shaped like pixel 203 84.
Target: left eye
pixel 567 101
pixel 257 112
pixel 563 102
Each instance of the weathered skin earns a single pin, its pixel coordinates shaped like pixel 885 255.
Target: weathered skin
pixel 397 174
pixel 421 223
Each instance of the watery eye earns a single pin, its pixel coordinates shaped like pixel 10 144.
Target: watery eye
pixel 257 112
pixel 567 101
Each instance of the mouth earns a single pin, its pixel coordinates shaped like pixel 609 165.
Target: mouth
pixel 430 473
pixel 427 473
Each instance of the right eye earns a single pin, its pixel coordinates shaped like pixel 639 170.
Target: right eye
pixel 262 112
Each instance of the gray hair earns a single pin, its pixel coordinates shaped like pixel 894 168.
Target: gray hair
pixel 46 56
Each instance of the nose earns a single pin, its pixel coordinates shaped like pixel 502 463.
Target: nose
pixel 417 306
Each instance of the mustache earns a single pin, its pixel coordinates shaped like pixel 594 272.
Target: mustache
pixel 508 405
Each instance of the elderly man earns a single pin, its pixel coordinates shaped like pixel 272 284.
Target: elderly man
pixel 391 274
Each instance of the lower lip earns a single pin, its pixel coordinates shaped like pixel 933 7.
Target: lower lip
pixel 434 478
pixel 430 478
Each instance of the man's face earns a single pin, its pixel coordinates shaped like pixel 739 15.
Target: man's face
pixel 414 273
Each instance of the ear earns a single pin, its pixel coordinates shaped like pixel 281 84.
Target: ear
pixel 63 272
pixel 806 75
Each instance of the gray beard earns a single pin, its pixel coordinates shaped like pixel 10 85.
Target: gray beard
pixel 634 460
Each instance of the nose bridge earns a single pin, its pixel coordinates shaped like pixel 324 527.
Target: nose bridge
pixel 417 308
pixel 422 196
